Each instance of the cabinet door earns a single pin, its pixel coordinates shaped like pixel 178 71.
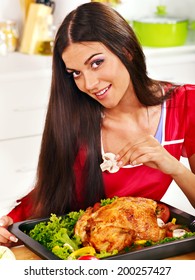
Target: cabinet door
pixel 177 73
pixel 18 163
pixel 173 67
pixel 23 106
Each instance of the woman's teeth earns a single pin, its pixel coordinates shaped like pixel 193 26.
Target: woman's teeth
pixel 102 91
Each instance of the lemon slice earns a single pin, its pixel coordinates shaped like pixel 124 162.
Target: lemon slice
pixel 6 253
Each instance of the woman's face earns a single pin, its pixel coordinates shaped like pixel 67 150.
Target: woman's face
pixel 97 72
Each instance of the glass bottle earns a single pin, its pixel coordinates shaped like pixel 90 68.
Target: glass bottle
pixel 10 31
pixel 45 46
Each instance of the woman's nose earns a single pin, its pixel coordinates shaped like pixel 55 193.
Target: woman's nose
pixel 91 81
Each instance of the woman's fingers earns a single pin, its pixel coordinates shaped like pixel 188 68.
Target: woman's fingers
pixel 131 152
pixel 5 235
pixel 5 221
pixel 150 152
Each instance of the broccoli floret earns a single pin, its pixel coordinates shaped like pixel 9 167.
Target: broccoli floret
pixel 61 238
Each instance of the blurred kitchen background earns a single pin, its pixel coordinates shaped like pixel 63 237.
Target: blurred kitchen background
pixel 27 31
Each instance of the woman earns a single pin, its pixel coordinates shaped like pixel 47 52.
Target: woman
pixel 102 101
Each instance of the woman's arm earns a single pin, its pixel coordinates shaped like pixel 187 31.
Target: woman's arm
pixel 185 179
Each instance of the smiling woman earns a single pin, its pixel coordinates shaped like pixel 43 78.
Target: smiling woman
pixel 102 101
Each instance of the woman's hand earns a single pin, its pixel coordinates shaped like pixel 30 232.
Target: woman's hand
pixel 150 152
pixel 6 238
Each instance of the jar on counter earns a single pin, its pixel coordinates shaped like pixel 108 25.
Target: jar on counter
pixel 10 31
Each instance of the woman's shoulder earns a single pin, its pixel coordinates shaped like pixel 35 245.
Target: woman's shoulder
pixel 186 89
pixel 189 87
pixel 182 95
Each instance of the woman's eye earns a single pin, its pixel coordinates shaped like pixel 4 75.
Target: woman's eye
pixel 75 74
pixel 95 64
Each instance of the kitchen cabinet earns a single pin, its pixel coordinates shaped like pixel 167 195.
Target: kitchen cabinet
pixel 24 93
pixel 22 109
pixel 18 163
pixel 176 64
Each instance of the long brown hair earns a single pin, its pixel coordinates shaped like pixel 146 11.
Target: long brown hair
pixel 74 119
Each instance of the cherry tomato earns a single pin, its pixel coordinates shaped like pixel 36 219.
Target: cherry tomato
pixel 170 228
pixel 88 257
pixel 163 212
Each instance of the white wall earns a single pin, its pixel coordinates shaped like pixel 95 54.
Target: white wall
pixel 129 8
pixel 132 9
pixel 10 9
pixel 63 7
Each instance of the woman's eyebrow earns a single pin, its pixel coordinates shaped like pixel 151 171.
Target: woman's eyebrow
pixel 91 57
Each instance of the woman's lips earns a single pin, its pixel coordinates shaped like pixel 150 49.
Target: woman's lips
pixel 100 94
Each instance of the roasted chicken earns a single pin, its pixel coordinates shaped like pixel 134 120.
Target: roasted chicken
pixel 119 224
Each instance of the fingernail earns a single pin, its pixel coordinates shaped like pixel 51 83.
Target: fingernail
pixel 117 157
pixel 13 238
pixel 1 224
pixel 120 163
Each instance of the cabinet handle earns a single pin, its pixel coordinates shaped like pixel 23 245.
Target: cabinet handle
pixel 26 109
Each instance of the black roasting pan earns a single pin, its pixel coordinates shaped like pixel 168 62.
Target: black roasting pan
pixel 156 252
